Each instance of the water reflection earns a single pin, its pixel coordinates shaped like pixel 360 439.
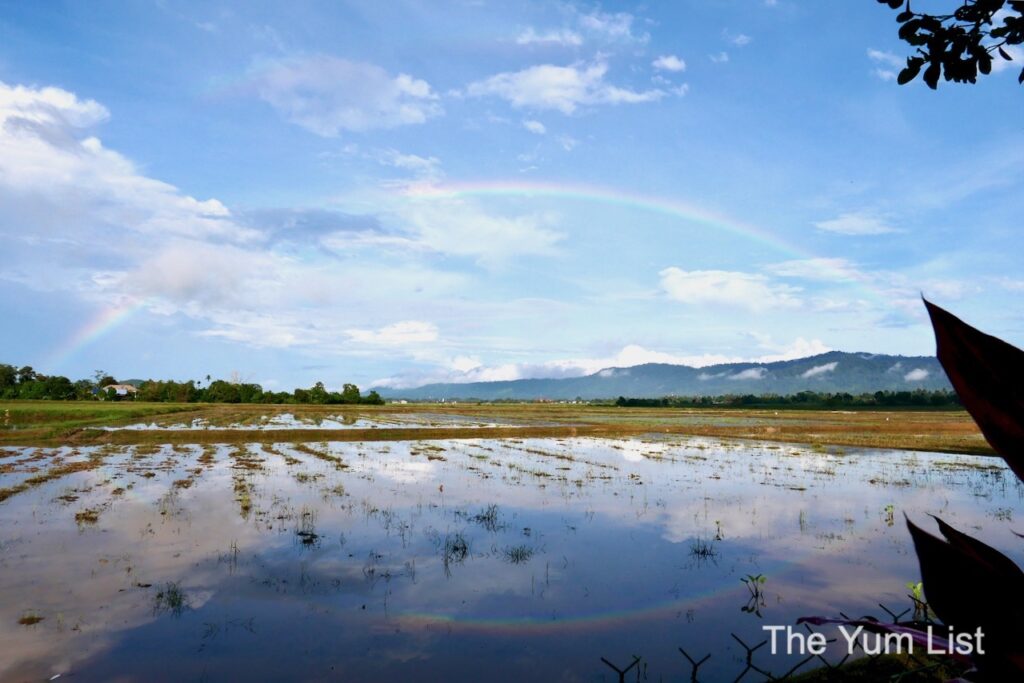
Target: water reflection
pixel 510 559
pixel 277 421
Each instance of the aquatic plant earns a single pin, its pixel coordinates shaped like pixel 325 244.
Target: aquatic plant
pixel 488 518
pixel 171 598
pixel 756 601
pixel 307 528
pixel 702 549
pixel 456 549
pixel 518 554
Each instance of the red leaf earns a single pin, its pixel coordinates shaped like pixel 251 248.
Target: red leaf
pixel 970 587
pixel 988 375
pixel 999 563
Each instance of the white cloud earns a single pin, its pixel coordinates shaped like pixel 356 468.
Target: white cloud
pixel 562 88
pixel 821 269
pixel 397 334
pixel 916 375
pixel 750 373
pixel 855 223
pixel 535 127
pixel 886 58
pixel 721 287
pixel 612 27
pixel 669 63
pixel 740 39
pixel 327 95
pixel 424 168
pixel 84 220
pixel 719 58
pixel 462 227
pixel 946 289
pixel 563 37
pixel 800 348
pixel 887 63
pixel 818 370
pixel 55 175
pixel 1010 284
pixel 463 369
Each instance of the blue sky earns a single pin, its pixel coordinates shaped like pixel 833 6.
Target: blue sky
pixel 404 192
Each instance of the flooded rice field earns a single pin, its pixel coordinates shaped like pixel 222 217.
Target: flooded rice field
pixel 468 559
pixel 285 420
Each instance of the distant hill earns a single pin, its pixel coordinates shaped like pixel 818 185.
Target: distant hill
pixel 835 371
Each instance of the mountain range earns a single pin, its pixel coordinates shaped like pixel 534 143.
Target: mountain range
pixel 835 371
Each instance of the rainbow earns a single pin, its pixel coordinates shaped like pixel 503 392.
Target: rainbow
pixel 106 320
pixel 111 317
pixel 596 621
pixel 685 211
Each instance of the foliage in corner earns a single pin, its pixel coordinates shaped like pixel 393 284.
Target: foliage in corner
pixel 969 585
pixel 988 375
pixel 961 44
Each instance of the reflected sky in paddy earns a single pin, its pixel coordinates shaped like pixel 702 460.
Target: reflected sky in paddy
pixel 449 560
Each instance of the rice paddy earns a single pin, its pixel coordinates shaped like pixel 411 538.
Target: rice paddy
pixel 139 554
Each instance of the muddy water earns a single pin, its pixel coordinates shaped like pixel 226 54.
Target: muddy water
pixel 456 560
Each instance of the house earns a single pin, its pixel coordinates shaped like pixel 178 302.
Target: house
pixel 125 390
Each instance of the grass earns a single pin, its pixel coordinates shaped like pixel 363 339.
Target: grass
pixel 171 598
pixel 49 423
pixel 94 461
pixel 456 548
pixel 489 518
pixel 87 516
pixel 702 549
pixel 49 419
pixel 518 554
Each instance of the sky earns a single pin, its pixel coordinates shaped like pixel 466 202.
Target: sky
pixel 394 193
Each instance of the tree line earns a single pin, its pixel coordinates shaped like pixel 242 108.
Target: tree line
pixel 26 383
pixel 919 398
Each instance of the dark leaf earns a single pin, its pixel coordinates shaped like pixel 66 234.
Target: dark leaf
pixel 1020 79
pixel 910 72
pixel 931 74
pixel 908 29
pixel 1005 55
pixel 904 16
pixel 895 4
pixel 983 552
pixel 971 586
pixel 988 375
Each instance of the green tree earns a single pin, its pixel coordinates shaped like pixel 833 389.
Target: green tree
pixel 8 376
pixel 373 399
pixel 103 379
pixel 220 391
pixel 83 389
pixel 26 374
pixel 962 43
pixel 350 393
pixel 318 394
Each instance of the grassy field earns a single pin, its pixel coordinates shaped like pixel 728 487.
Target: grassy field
pixel 46 423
